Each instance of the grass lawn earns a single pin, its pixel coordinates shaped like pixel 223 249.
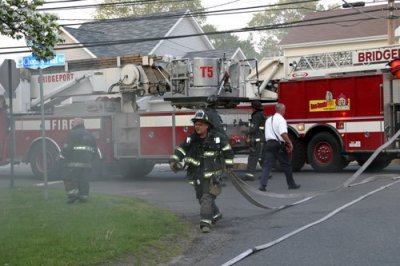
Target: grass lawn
pixel 104 231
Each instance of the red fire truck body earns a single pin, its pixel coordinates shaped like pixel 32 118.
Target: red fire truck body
pixel 340 110
pixel 122 103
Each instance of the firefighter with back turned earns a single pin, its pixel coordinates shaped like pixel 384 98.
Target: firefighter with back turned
pixel 78 153
pixel 255 139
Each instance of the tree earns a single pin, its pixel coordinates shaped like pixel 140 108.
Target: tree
pixel 111 8
pixel 275 15
pixel 20 19
pixel 227 40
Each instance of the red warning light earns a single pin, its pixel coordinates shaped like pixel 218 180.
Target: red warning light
pixel 395 67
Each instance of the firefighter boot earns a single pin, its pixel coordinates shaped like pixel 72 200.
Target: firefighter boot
pixel 83 198
pixel 205 226
pixel 248 177
pixel 216 217
pixel 72 196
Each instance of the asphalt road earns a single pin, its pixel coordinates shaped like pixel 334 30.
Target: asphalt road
pixel 364 233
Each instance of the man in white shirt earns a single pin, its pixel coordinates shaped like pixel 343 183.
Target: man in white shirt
pixel 277 147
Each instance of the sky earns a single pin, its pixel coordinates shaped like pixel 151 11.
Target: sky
pixel 238 21
pixel 222 22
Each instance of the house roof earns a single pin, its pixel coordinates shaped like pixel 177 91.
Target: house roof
pixel 341 24
pixel 129 28
pixel 216 53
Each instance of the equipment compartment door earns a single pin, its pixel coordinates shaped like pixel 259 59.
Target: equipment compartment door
pixel 160 132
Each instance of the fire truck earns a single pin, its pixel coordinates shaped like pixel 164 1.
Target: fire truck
pixel 138 108
pixel 341 106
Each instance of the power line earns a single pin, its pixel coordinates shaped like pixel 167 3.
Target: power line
pixel 200 12
pixel 138 2
pixel 286 25
pixel 247 29
pixel 142 2
pixel 169 15
pixel 62 1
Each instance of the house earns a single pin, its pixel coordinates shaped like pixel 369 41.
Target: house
pixel 340 30
pixel 334 30
pixel 152 34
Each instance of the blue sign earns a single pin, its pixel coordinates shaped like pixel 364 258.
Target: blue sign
pixel 32 62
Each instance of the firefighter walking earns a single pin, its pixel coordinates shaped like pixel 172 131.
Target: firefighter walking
pixel 205 152
pixel 79 152
pixel 255 138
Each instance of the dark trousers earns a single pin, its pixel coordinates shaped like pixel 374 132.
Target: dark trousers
pixel 255 155
pixel 208 207
pixel 273 151
pixel 76 181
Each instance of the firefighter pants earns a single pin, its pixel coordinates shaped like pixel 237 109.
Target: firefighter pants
pixel 208 207
pixel 255 156
pixel 76 182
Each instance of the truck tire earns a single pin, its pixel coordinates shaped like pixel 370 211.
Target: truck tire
pixel 135 168
pixel 376 165
pixel 299 153
pixel 36 161
pixel 324 153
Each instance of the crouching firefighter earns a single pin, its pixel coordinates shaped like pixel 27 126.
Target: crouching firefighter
pixel 79 152
pixel 205 153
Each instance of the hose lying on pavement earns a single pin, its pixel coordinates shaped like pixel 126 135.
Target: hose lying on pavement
pixel 326 217
pixel 240 187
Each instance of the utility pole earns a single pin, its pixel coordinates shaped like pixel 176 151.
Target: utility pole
pixel 391 23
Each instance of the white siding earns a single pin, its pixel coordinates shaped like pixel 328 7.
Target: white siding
pixel 315 48
pixel 73 54
pixel 179 47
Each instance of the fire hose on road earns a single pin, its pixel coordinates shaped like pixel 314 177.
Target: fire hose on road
pixel 243 188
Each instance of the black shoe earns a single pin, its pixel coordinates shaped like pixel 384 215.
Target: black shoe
pixel 262 188
pixel 248 178
pixel 296 186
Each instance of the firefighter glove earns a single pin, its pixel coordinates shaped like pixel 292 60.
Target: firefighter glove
pixel 174 166
pixel 216 180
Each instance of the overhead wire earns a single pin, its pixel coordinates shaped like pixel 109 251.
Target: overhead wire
pixel 171 1
pixel 294 24
pixel 137 2
pixel 174 15
pixel 200 12
pixel 246 29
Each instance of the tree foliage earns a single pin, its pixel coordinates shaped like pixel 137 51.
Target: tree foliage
pixel 20 19
pixel 285 11
pixel 111 8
